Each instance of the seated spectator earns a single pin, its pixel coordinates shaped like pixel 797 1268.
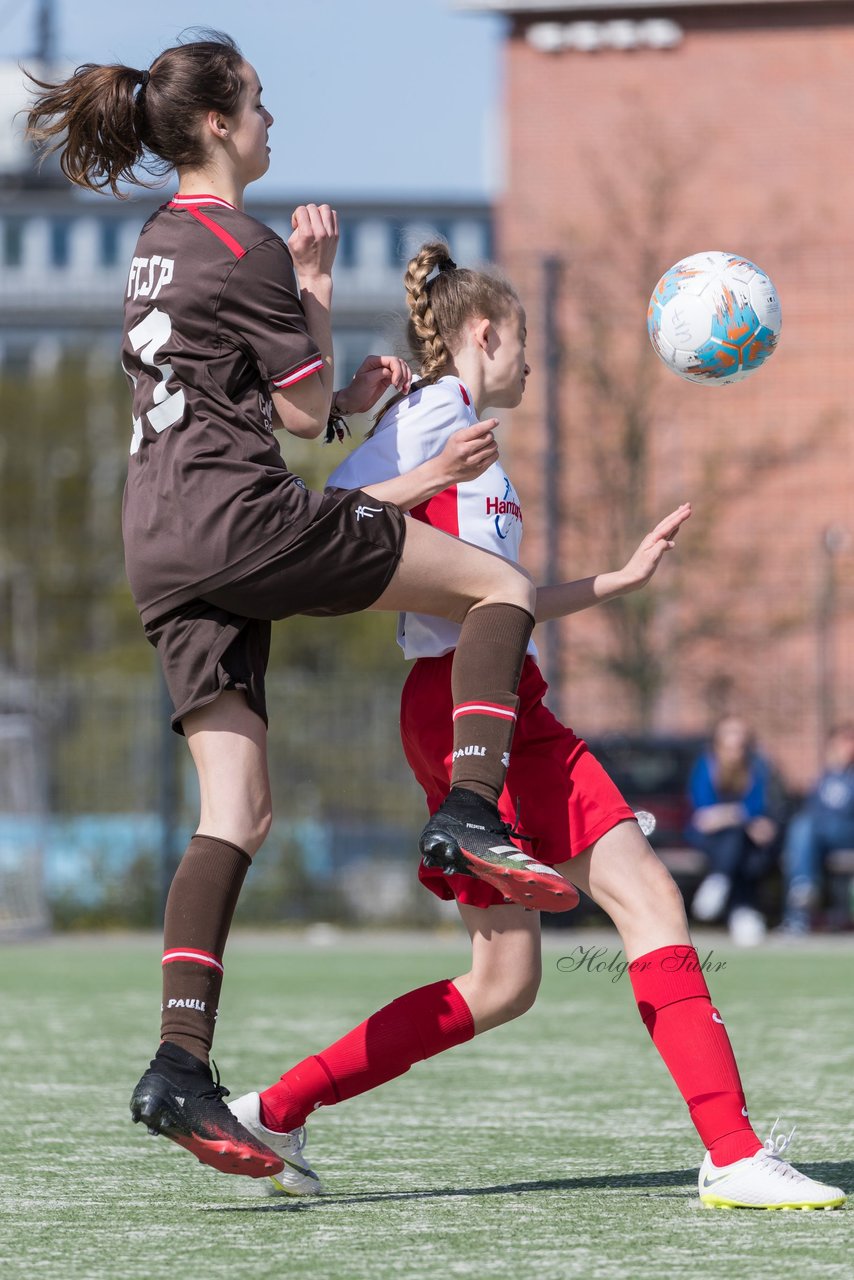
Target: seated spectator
pixel 825 823
pixel 737 804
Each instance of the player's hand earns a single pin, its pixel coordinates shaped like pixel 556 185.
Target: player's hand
pixel 762 830
pixel 371 380
pixel 314 241
pixel 647 558
pixel 470 451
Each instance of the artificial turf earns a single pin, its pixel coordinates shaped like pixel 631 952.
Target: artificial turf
pixel 553 1147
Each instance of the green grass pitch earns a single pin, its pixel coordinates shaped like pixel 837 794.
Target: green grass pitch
pixel 554 1147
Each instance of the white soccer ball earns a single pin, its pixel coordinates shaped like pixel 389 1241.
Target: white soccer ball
pixel 714 318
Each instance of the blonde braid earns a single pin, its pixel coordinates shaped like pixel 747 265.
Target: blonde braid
pixel 439 307
pixel 428 344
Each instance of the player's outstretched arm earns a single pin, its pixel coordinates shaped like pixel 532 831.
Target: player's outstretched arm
pixel 563 598
pixel 466 455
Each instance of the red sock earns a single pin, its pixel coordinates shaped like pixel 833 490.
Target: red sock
pixel 689 1033
pixel 413 1027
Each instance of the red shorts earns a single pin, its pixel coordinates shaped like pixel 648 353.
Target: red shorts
pixel 566 799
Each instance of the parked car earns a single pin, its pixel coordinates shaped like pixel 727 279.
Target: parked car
pixel 652 771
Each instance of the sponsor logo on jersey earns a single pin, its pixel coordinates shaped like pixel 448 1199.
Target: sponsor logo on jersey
pixel 149 275
pixel 503 507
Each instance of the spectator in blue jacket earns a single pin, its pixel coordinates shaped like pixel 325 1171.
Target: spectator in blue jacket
pixel 737 809
pixel 825 822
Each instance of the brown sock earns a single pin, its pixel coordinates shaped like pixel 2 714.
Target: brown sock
pixel 199 909
pixel 484 678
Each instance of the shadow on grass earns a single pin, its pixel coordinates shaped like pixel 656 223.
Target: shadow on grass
pixel 837 1173
pixel 603 1182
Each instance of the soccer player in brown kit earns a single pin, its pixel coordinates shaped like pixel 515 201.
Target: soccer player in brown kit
pixel 220 346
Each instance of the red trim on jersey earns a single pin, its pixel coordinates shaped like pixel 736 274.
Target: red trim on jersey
pixel 220 232
pixel 483 709
pixel 194 957
pixel 287 380
pixel 441 512
pixel 465 395
pixel 185 201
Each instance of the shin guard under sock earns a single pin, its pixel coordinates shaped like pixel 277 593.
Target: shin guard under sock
pixel 689 1033
pixel 484 679
pixel 416 1026
pixel 199 909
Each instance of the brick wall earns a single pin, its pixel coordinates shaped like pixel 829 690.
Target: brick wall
pixel 749 116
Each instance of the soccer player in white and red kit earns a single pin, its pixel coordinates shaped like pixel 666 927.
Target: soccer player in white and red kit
pixel 467 334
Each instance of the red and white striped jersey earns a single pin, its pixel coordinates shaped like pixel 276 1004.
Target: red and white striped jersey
pixel 484 511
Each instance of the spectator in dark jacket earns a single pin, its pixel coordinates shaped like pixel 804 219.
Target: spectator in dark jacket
pixel 737 804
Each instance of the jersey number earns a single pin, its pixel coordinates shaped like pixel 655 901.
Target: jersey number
pixel 147 338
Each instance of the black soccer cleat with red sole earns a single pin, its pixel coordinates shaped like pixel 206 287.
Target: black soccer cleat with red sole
pixel 466 834
pixel 179 1098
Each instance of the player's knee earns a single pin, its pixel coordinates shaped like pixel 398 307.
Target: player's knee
pixel 509 584
pixel 522 590
pixel 658 892
pixel 517 997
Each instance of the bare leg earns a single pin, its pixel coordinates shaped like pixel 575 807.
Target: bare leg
pixel 506 966
pixel 176 1096
pixel 624 877
pixel 501 984
pixel 442 575
pixel 228 743
pixel 622 874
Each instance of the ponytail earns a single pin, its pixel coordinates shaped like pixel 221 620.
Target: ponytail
pixel 94 121
pixel 108 122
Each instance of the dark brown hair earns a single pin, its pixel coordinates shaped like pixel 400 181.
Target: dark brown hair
pixel 439 308
pixel 108 122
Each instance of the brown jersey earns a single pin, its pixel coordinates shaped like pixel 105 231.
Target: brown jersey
pixel 212 321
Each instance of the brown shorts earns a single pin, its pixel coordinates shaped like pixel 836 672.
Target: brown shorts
pixel 340 563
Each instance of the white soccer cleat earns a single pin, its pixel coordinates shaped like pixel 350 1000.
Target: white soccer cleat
pixel 763 1181
pixel 297 1178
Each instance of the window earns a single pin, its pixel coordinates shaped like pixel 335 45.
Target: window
pixel 109 242
pixel 60 242
pixel 13 242
pixel 346 256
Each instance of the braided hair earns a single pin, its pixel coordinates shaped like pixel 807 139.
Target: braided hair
pixel 440 304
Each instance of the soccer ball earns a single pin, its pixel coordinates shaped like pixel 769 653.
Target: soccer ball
pixel 714 318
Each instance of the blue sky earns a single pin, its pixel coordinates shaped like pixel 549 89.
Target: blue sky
pixel 371 97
